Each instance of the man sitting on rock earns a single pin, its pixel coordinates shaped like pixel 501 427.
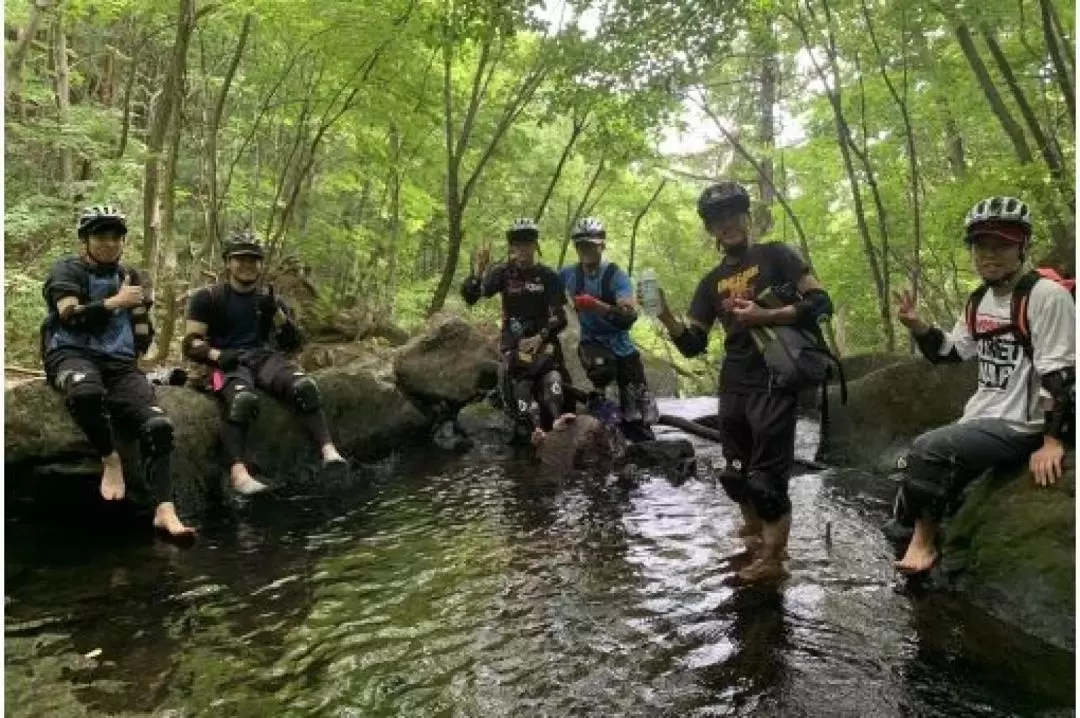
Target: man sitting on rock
pixel 97 326
pixel 604 300
pixel 241 331
pixel 1021 329
pixel 534 313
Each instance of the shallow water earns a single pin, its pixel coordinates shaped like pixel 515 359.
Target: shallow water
pixel 448 586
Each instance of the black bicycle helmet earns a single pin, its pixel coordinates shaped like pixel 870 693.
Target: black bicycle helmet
pixel 722 200
pixel 242 243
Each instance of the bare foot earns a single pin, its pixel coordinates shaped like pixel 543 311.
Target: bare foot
pixel 112 479
pixel 330 455
pixel 165 519
pixel 564 420
pixel 244 483
pixel 763 569
pixel 917 560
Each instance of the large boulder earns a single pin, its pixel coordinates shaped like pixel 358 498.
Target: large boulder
pixel 1010 549
pixel 450 362
pixel 889 407
pixel 369 418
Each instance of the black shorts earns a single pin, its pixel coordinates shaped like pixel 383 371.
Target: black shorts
pixel 129 395
pixel 758 431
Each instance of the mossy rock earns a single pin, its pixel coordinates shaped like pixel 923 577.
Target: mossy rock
pixel 1010 549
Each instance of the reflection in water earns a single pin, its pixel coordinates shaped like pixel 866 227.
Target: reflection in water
pixel 496 590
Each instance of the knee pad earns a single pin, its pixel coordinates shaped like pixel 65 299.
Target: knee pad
pixel 85 398
pixel 305 394
pixel 762 492
pixel 551 393
pixel 733 480
pixel 243 407
pixel 156 437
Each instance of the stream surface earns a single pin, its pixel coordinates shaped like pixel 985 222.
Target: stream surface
pixel 454 586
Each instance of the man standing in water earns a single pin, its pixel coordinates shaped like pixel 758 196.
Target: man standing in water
pixel 98 324
pixel 241 331
pixel 1021 329
pixel 604 299
pixel 533 309
pixel 757 417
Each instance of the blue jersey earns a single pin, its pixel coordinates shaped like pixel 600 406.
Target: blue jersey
pixel 595 328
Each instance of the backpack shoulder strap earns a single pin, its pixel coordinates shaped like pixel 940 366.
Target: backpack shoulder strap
pixel 971 308
pixel 1019 310
pixel 579 280
pixel 607 283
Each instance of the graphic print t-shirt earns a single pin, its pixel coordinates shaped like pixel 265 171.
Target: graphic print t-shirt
pixel 1009 387
pixel 770 264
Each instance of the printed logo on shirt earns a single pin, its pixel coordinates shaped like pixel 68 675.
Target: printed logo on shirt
pixel 518 286
pixel 739 284
pixel 999 356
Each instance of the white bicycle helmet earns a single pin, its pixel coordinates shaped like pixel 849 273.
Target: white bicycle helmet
pixel 589 229
pixel 999 209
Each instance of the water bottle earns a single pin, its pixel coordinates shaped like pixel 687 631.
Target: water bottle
pixel 650 293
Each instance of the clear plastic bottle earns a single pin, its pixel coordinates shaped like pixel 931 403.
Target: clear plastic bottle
pixel 650 293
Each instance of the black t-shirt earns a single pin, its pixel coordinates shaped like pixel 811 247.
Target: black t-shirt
pixel 234 320
pixel 771 264
pixel 529 297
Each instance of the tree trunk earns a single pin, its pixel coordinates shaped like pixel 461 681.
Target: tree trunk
pixel 1055 43
pixel 167 261
pixel 954 143
pixel 847 145
pixel 1046 148
pixel 395 221
pixel 997 105
pixel 575 132
pixel 572 219
pixel 158 127
pixel 212 218
pixel 63 105
pixel 763 220
pixel 637 221
pixel 914 195
pixel 22 47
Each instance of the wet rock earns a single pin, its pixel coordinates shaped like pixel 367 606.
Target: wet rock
pixel 447 438
pixel 369 418
pixel 485 424
pixel 889 407
pixel 1010 548
pixel 451 361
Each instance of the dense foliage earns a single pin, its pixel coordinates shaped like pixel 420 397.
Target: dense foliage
pixel 379 143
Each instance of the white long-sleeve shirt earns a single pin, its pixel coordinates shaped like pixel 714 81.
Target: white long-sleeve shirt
pixel 1009 387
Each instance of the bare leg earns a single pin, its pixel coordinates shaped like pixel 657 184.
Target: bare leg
pixel 243 482
pixel 921 552
pixel 112 479
pixel 769 565
pixel 165 519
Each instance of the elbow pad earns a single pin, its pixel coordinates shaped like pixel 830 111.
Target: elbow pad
pixel 1061 385
pixel 691 342
pixel 471 290
pixel 930 345
pixel 196 348
pixel 815 305
pixel 86 317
